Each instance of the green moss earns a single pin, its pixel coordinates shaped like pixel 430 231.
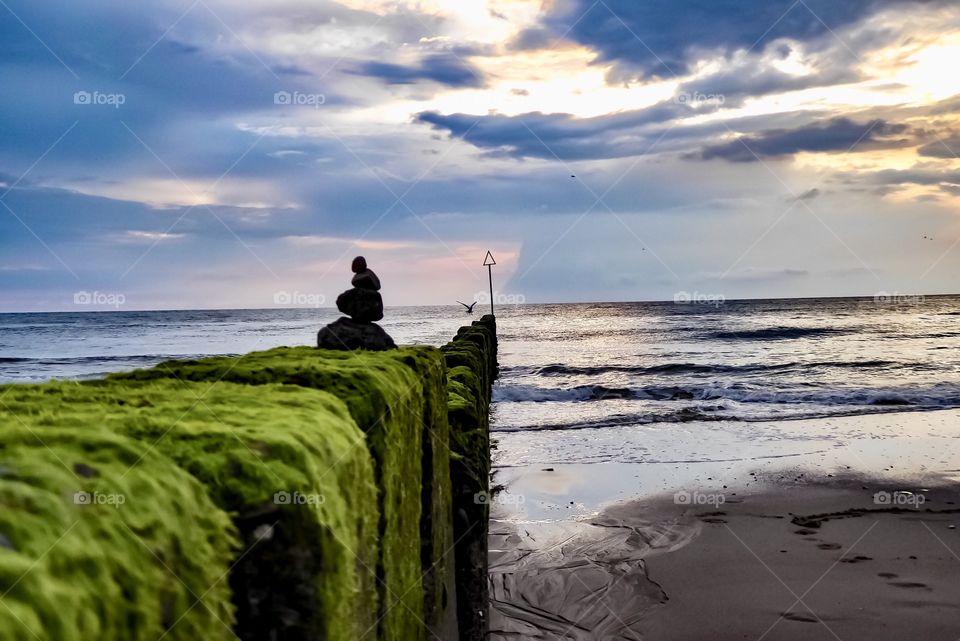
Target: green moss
pixel 436 523
pixel 468 401
pixel 215 447
pixel 471 370
pixel 398 399
pixel 301 573
pixel 141 554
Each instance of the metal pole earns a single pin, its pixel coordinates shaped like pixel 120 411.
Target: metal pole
pixel 490 277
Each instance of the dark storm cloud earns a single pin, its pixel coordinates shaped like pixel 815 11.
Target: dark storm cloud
pixel 182 89
pixel 618 135
pixel 447 69
pixel 838 134
pixel 663 38
pixel 186 77
pixel 541 135
pixel 61 216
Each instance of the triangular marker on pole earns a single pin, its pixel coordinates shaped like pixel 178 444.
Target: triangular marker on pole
pixel 489 262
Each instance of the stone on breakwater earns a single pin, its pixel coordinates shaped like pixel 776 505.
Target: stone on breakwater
pixel 348 334
pixel 362 305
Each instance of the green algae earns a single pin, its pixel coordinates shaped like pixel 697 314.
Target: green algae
pixel 363 563
pixel 101 538
pixel 436 523
pixel 398 399
pixel 471 369
pixel 301 573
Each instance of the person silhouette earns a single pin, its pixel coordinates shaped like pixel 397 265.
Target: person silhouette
pixel 363 276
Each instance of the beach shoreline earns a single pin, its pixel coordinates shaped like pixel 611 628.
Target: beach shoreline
pixel 825 544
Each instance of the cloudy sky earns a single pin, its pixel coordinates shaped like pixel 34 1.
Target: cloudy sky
pixel 214 153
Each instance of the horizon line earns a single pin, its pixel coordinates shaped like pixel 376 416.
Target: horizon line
pixel 717 299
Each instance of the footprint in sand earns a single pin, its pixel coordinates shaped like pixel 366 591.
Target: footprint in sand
pixel 829 546
pixel 856 559
pixel 911 585
pixel 801 618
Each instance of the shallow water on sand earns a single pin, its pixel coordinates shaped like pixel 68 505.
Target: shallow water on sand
pixel 572 542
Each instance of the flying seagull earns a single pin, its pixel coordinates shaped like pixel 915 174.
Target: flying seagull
pixel 469 307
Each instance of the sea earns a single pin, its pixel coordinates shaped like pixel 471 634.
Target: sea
pixel 592 382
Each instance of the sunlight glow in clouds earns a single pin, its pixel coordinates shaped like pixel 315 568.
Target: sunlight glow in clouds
pixel 554 133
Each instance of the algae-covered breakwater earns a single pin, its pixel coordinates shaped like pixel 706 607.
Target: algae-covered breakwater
pixel 294 493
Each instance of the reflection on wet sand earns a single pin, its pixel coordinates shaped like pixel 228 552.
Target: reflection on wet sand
pixel 580 580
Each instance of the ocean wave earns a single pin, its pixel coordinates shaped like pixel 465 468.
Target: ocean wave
pixel 937 396
pixel 775 333
pixel 695 415
pixel 684 415
pixel 532 393
pixel 92 360
pixel 696 368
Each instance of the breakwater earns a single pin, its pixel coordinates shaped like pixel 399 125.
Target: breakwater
pixel 290 494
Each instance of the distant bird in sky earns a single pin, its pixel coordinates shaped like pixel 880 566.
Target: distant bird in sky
pixel 469 307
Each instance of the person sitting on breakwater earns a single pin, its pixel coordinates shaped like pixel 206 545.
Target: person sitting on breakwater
pixel 364 278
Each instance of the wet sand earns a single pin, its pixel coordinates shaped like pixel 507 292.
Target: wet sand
pixel 768 567
pixel 785 549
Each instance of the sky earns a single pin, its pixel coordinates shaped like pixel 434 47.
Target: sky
pixel 181 154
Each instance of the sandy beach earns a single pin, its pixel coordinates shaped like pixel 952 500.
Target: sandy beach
pixel 818 562
pixel 854 540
